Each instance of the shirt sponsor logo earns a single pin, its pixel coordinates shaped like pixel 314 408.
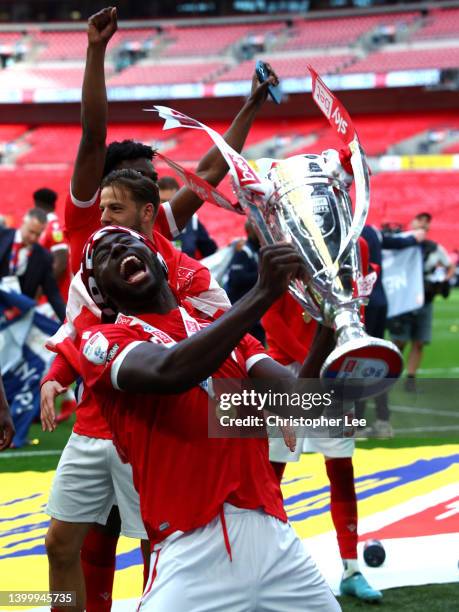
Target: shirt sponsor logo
pixel 124 320
pixel 323 99
pixel 112 352
pixel 160 337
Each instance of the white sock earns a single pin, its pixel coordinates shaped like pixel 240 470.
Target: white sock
pixel 351 566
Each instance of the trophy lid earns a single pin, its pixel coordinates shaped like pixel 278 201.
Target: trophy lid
pixel 325 166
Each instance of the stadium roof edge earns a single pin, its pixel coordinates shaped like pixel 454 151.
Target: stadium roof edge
pixel 242 19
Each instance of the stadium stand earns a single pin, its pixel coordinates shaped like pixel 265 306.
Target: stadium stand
pixel 395 196
pixel 11 132
pixel 439 24
pixel 60 45
pixel 158 74
pixel 408 59
pixel 291 66
pixel 378 134
pixel 340 32
pixel 39 77
pixel 53 58
pixel 212 40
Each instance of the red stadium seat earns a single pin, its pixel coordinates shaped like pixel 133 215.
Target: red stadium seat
pixel 408 59
pixel 439 24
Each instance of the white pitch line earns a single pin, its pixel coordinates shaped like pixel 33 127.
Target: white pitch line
pixel 38 453
pixel 435 370
pixel 433 412
pixel 423 429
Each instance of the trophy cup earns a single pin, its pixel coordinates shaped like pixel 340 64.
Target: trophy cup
pixel 305 200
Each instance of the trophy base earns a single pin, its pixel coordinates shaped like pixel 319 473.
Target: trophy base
pixel 362 368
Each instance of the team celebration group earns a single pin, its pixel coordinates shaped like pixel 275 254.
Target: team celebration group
pixel 145 327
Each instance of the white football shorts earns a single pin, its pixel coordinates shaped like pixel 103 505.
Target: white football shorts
pixel 329 447
pixel 89 480
pixel 269 569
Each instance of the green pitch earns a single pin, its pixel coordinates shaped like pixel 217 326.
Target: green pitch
pixel 441 358
pixel 432 597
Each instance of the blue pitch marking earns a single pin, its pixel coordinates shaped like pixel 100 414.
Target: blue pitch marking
pixel 127 559
pixel 400 476
pixel 20 499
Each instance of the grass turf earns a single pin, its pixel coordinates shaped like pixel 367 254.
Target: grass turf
pixel 440 358
pixel 434 597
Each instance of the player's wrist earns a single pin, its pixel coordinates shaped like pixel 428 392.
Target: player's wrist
pixel 97 46
pixel 264 296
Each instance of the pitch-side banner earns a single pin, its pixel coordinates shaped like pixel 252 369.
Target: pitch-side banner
pixel 403 280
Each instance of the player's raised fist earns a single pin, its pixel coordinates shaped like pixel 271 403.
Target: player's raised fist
pixel 102 26
pixel 279 265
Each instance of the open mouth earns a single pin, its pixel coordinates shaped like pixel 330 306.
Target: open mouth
pixel 132 270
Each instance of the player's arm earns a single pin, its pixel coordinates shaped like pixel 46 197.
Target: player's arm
pixel 402 242
pixel 60 262
pixel 212 166
pixel 89 165
pixel 6 422
pixel 150 368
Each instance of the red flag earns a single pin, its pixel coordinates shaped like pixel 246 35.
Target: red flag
pixel 332 108
pixel 204 190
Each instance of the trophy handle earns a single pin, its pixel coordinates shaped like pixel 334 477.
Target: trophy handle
pixel 362 200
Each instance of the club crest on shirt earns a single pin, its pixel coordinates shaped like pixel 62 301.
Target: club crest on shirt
pixel 184 277
pixel 58 235
pixel 95 349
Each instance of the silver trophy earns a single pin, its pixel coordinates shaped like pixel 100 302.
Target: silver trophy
pixel 310 207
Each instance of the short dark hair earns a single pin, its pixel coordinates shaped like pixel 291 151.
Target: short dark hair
pixel 424 215
pixel 37 213
pixel 142 188
pixel 45 199
pixel 168 182
pixel 118 152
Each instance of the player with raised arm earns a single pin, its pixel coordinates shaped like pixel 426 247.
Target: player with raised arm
pixel 212 507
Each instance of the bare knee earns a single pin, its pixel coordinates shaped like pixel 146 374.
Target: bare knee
pixel 63 543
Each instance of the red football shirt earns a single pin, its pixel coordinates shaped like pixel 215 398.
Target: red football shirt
pixel 183 476
pixel 288 335
pixel 53 240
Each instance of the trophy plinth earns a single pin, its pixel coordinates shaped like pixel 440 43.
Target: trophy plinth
pixel 360 365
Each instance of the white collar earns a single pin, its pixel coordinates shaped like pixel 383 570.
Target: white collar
pixel 18 237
